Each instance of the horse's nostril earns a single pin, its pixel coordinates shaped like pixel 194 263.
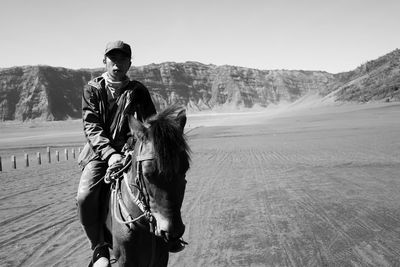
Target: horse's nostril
pixel 162 233
pixel 166 235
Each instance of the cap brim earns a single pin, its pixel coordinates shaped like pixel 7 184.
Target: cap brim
pixel 119 50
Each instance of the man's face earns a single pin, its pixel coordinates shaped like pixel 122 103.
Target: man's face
pixel 117 64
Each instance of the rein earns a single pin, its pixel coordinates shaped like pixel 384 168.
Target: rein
pixel 117 200
pixel 141 192
pixel 136 193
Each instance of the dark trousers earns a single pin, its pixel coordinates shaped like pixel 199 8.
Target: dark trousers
pixel 90 202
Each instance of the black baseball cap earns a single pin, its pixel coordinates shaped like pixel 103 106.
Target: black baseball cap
pixel 118 45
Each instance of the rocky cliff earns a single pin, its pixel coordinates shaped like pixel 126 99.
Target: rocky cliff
pixel 49 93
pixel 42 92
pixel 374 80
pixel 202 86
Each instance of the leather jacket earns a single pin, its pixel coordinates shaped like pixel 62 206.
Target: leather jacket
pixel 102 140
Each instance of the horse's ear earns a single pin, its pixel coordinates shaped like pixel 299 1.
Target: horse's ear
pixel 136 127
pixel 181 118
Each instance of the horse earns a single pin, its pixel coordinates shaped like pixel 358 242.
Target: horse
pixel 144 215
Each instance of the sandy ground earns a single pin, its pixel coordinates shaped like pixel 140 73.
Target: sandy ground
pixel 308 185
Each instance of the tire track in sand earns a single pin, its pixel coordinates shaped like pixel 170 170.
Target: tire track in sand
pixel 42 248
pixel 24 215
pixel 198 206
pixel 31 231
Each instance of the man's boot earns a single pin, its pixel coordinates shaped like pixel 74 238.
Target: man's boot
pixel 101 256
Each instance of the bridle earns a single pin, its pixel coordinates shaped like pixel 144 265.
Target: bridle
pixel 139 197
pixel 137 192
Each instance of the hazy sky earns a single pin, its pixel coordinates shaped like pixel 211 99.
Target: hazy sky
pixel 334 36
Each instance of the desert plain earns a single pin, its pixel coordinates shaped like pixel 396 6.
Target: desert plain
pixel 306 185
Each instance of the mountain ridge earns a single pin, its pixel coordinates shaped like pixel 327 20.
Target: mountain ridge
pixel 54 93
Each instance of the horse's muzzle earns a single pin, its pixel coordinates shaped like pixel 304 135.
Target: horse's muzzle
pixel 172 236
pixel 170 232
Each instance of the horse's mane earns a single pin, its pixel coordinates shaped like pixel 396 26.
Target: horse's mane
pixel 170 145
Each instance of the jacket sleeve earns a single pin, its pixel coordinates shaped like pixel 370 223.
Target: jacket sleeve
pixel 93 125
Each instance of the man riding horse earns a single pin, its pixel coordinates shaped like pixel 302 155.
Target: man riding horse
pixel 107 102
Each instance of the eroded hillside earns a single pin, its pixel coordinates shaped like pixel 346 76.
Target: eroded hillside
pixel 49 93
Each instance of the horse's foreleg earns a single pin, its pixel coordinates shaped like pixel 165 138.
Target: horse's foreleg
pixel 136 248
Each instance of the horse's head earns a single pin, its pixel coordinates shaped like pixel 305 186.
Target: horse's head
pixel 162 159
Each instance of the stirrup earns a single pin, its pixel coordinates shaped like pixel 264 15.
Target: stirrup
pixel 100 251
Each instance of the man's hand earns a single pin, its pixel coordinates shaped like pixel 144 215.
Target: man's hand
pixel 114 159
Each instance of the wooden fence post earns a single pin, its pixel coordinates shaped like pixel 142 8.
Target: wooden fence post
pixel 48 154
pixel 73 153
pixel 13 162
pixel 1 167
pixel 57 155
pixel 66 154
pixel 39 159
pixel 26 160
